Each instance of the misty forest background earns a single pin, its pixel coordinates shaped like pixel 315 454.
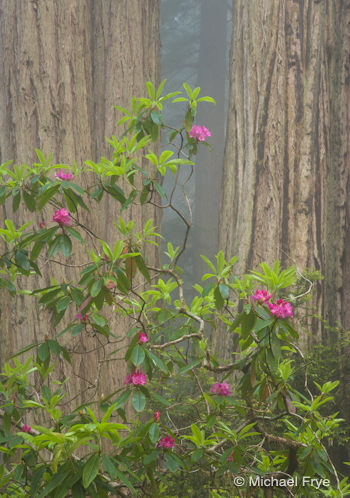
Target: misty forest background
pixel 276 185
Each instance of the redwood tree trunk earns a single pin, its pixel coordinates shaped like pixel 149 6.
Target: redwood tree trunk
pixel 286 165
pixel 63 66
pixel 287 160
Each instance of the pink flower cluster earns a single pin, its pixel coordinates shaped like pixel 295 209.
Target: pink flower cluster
pixel 221 389
pixel 261 296
pixel 26 428
pixel 62 216
pixel 142 338
pixel 199 132
pixel 156 416
pixel 282 309
pixel 64 176
pixel 167 442
pixel 84 318
pixel 137 378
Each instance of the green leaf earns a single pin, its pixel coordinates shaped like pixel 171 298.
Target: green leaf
pixel 77 329
pixel 157 117
pixel 154 133
pixel 154 432
pixel 109 466
pixel 207 289
pixel 160 190
pixel 172 462
pixel 16 200
pixel 63 303
pixel 54 346
pixel 36 250
pixel 47 195
pixel 157 361
pixel 43 351
pixel 188 90
pixel 261 324
pixel 29 201
pixel 248 322
pixel 224 291
pixel 188 121
pixel 137 355
pixel 122 399
pixel 57 479
pixel 98 319
pixel 197 434
pixel 219 301
pixel 150 89
pixel 36 481
pixel 139 401
pixel 90 470
pixel 2 194
pixel 142 267
pixel 160 399
pixel 75 234
pixel 151 457
pixel 126 481
pixel 262 313
pixel 24 350
pixel 96 287
pixel 55 245
pixel 189 367
pixel 78 491
pixel 22 260
pixel 66 245
pixel 160 89
pixel 206 99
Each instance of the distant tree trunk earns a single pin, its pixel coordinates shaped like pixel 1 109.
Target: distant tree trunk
pixel 208 172
pixel 286 168
pixel 63 66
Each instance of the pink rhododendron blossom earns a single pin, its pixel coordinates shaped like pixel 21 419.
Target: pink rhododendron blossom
pixel 137 378
pixel 142 337
pixel 167 442
pixel 62 216
pixel 111 285
pixel 282 309
pixel 64 176
pixel 261 296
pixel 201 133
pixel 84 318
pixel 26 428
pixel 221 389
pixel 156 416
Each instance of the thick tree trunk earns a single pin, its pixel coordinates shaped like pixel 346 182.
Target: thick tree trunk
pixel 286 165
pixel 63 66
pixel 287 160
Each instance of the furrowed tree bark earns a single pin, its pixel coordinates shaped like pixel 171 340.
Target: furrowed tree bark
pixel 287 158
pixel 64 65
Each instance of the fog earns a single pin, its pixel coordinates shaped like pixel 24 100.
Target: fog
pixel 195 38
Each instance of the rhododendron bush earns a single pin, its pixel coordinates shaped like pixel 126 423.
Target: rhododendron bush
pixel 195 421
